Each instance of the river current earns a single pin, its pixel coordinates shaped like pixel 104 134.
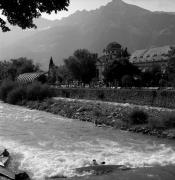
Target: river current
pixel 44 144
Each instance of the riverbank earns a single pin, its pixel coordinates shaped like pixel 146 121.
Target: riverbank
pixel 160 121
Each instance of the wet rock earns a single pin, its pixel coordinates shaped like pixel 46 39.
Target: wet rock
pixel 22 176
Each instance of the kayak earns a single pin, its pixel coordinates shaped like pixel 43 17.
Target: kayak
pixel 102 169
pixel 3 161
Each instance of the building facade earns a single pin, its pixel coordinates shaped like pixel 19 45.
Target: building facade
pixel 112 52
pixel 147 58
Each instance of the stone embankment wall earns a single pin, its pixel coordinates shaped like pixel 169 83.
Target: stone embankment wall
pixel 159 98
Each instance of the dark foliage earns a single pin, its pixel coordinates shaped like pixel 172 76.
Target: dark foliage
pixel 38 91
pixel 171 70
pixel 138 117
pixel 22 12
pixel 118 68
pixel 82 65
pixel 169 120
pixel 16 95
pixel 13 93
pixel 101 95
pixel 5 88
pixel 151 77
pixel 127 81
pixel 11 69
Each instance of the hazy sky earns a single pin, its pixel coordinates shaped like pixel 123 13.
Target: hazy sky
pixel 153 5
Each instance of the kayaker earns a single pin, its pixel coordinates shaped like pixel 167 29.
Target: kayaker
pixel 5 153
pixel 94 162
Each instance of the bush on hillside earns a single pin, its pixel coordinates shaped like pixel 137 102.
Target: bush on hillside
pixel 16 95
pixel 127 81
pixel 169 120
pixel 163 121
pixel 38 91
pixel 156 121
pixel 138 117
pixel 5 88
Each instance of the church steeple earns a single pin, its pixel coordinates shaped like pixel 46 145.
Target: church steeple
pixel 51 64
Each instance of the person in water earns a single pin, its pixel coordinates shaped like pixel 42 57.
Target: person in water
pixel 5 153
pixel 94 162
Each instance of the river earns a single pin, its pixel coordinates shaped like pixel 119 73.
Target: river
pixel 44 144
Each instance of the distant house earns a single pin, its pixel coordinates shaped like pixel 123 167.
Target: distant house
pixel 28 78
pixel 112 52
pixel 147 58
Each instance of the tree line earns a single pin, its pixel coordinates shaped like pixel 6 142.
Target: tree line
pixel 14 67
pixel 81 67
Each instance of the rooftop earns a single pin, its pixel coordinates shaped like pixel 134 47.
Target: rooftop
pixel 151 54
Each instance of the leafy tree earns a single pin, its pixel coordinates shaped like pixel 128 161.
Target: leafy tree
pixel 4 69
pixel 172 53
pixel 63 74
pixel 146 78
pixel 125 53
pixel 117 69
pixel 127 81
pixel 156 75
pixel 22 12
pixel 23 65
pixel 82 65
pixel 163 83
pixel 10 69
pixel 152 76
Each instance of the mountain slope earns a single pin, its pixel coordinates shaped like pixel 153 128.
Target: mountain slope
pixel 129 25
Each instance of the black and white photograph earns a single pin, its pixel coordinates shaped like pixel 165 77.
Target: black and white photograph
pixel 87 89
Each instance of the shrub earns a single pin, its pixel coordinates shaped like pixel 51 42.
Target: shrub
pixel 156 122
pixel 127 81
pixel 38 91
pixel 5 88
pixel 16 95
pixel 101 95
pixel 138 117
pixel 169 120
pixel 163 121
pixel 66 94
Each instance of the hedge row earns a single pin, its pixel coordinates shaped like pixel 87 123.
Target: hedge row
pixel 159 98
pixel 13 93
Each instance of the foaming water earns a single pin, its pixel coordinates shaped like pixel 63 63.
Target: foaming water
pixel 44 144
